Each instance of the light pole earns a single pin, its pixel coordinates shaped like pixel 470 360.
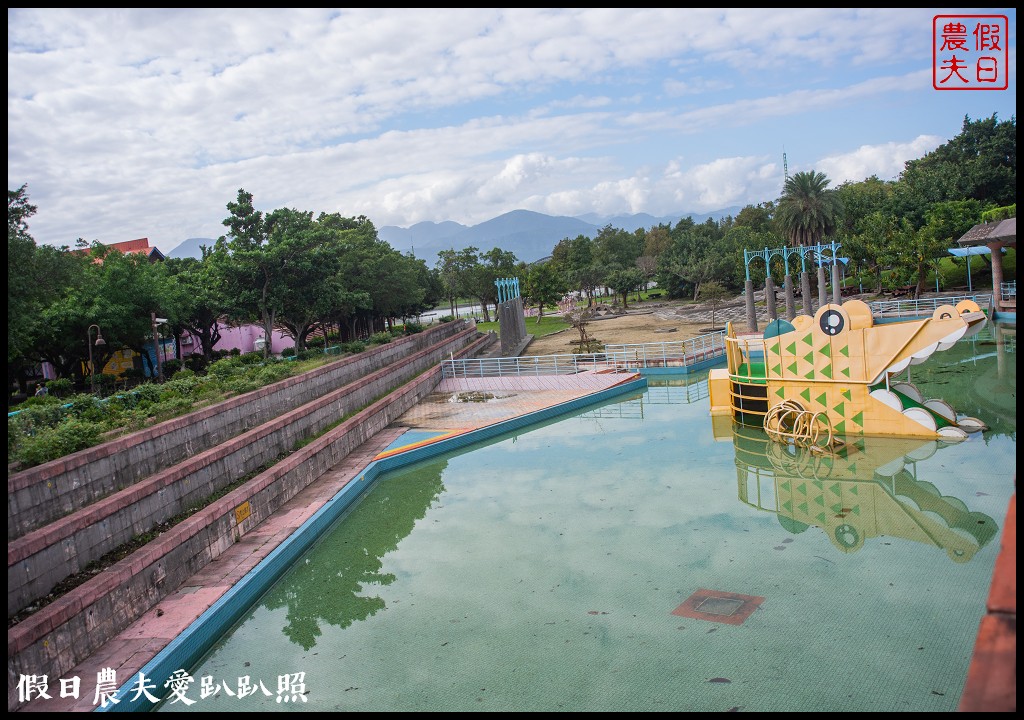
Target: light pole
pixel 89 342
pixel 156 346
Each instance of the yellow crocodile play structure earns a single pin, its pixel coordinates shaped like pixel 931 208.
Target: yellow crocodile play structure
pixel 833 375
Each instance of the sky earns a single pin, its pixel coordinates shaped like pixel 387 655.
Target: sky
pixel 129 123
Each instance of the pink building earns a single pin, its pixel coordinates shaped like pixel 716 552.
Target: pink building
pixel 247 338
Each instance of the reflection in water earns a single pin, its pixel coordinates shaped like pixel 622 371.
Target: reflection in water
pixel 684 390
pixel 978 377
pixel 331 590
pixel 869 489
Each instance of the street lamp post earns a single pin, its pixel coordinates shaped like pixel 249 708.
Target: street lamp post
pixel 156 346
pixel 89 342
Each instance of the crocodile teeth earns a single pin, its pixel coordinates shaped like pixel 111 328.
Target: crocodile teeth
pixel 971 425
pixel 923 354
pixel 949 433
pixel 950 340
pixel 921 417
pixel 889 398
pixel 942 408
pixel 898 367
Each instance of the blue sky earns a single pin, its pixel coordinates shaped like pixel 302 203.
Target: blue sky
pixel 128 123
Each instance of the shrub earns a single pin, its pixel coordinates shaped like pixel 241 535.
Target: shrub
pixel 171 368
pixel 61 387
pixel 288 352
pixel 354 347
pixel 225 367
pixel 147 393
pixel 196 363
pixel 252 358
pixel 445 318
pixel 411 328
pixel 48 444
pixel 379 338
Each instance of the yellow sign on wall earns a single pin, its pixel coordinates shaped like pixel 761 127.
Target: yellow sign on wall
pixel 242 512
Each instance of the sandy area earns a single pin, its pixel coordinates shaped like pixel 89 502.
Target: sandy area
pixel 640 327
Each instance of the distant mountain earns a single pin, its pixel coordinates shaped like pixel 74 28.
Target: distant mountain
pixel 193 248
pixel 633 223
pixel 530 235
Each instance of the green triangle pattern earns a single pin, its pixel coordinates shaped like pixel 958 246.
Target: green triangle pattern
pixel 820 500
pixel 821 399
pixel 802 488
pixel 806 394
pixel 840 427
pixel 809 339
pixel 820 518
pixel 786 486
pixel 853 468
pixel 810 375
pixel 818 484
pixel 847 394
pixel 809 357
pixel 853 490
pixel 792 368
pixel 845 350
pixel 859 419
pixel 845 371
pixel 840 409
pixel 827 371
pixel 777 370
pixel 781 392
pixel 826 350
pixel 774 347
pixel 802 507
pixel 834 488
pixel 791 348
pixel 856 509
pixel 837 508
pixel 787 506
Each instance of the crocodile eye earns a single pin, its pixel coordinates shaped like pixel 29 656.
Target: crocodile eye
pixel 831 322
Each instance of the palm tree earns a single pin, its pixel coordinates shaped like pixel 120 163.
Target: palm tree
pixel 807 210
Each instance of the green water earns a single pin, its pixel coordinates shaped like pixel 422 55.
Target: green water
pixel 540 571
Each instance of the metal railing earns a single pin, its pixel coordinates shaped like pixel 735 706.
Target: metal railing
pixel 1008 291
pixel 525 366
pixel 681 353
pixel 678 353
pixel 923 307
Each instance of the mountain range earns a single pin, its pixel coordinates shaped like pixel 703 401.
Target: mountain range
pixel 530 235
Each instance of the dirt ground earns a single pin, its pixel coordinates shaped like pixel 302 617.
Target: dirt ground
pixel 641 327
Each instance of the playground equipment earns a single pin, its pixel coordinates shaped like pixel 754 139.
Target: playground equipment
pixel 833 375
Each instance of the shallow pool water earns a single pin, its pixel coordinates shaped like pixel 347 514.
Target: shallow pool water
pixel 642 556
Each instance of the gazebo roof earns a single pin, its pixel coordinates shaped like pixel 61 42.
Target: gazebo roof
pixel 1003 232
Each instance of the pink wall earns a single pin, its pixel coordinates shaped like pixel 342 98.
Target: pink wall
pixel 244 338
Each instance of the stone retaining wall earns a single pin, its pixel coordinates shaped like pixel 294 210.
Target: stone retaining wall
pixel 44 493
pixel 58 637
pixel 39 560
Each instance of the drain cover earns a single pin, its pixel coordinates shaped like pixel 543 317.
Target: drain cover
pixel 718 606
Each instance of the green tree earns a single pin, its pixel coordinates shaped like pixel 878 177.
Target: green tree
pixel 714 292
pixel 543 286
pixel 980 163
pixel 808 211
pixel 200 298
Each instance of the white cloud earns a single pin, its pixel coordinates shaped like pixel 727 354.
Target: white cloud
pixel 886 161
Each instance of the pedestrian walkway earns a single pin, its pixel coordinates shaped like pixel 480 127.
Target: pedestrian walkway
pixel 140 642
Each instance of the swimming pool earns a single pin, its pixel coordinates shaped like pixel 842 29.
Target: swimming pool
pixel 636 557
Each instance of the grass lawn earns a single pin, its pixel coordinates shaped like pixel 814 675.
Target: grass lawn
pixel 547 325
